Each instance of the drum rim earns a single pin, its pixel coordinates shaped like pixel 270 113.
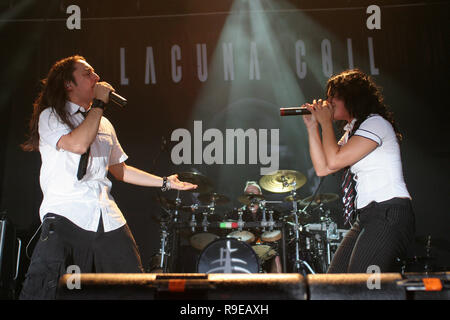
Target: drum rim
pixel 258 264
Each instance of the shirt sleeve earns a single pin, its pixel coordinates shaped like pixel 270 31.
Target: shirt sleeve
pixel 51 128
pixel 117 153
pixel 373 128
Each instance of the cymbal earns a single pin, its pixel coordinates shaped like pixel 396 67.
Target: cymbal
pixel 248 197
pixel 319 198
pixel 204 184
pixel 282 181
pixel 291 198
pixel 213 197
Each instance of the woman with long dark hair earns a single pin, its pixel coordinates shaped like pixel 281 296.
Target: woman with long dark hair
pixel 374 192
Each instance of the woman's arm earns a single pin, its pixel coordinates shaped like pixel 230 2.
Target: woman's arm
pixel 337 157
pixel 316 151
pixel 340 157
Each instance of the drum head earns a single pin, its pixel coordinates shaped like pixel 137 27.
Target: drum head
pixel 200 240
pixel 271 236
pixel 228 255
pixel 245 236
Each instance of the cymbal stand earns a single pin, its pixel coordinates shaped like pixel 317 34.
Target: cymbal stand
pixel 298 262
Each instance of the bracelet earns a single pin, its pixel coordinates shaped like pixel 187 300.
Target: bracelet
pixel 165 185
pixel 96 103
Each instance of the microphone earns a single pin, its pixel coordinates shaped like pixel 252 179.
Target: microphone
pixel 119 100
pixel 294 111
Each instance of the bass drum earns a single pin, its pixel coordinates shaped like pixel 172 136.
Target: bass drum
pixel 228 255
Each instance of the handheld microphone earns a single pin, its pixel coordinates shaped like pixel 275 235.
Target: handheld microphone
pixel 117 99
pixel 294 111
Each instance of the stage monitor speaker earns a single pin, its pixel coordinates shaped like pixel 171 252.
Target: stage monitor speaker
pixel 355 286
pixel 9 261
pixel 190 286
pixel 427 286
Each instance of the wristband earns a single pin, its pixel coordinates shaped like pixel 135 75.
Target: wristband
pixel 165 185
pixel 96 103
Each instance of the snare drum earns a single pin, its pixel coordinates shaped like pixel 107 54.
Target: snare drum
pixel 271 236
pixel 245 236
pixel 228 255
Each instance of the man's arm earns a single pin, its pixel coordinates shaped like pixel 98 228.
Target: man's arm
pixel 129 174
pixel 79 139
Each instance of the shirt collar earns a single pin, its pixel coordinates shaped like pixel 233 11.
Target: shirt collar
pixel 73 107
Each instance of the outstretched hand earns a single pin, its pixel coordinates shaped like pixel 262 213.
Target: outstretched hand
pixel 180 185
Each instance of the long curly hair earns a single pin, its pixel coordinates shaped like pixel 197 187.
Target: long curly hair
pixel 361 97
pixel 53 95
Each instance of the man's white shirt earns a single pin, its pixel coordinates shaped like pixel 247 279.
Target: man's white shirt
pixel 80 201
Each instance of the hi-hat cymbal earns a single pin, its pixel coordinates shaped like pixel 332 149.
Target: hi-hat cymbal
pixel 319 198
pixel 282 181
pixel 248 198
pixel 204 184
pixel 213 197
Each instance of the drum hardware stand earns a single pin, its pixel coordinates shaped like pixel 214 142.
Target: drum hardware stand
pixel 193 223
pixel 240 220
pixel 162 251
pixel 298 262
pixel 263 220
pixel 205 222
pixel 271 222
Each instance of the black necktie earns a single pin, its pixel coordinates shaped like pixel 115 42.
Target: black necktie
pixel 349 194
pixel 82 166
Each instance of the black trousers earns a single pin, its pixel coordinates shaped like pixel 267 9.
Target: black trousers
pixel 63 244
pixel 382 232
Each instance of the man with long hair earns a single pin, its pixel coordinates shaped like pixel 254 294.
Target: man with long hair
pixel 81 223
pixel 374 191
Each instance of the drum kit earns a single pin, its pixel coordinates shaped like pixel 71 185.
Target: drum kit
pixel 254 237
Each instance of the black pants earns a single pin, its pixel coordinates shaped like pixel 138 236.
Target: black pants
pixel 63 244
pixel 382 232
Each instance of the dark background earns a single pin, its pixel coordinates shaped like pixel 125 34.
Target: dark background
pixel 411 52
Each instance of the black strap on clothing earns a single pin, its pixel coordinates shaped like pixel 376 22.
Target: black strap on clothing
pixel 82 166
